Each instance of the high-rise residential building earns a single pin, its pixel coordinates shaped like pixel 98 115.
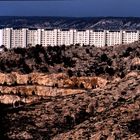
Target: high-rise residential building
pixel 64 37
pixel 97 38
pixel 18 38
pixel 7 37
pixel 49 37
pixel 130 36
pixel 113 38
pixel 31 37
pixel 24 37
pixel 1 37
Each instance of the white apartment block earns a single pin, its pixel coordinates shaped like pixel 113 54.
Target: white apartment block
pixel 23 37
pixel 113 38
pixel 130 36
pixel 97 38
pixel 1 37
pixel 49 37
pixel 6 37
pixel 31 37
pixel 18 38
pixel 81 37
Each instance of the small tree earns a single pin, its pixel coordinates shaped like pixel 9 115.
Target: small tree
pixel 70 73
pixel 29 45
pixel 3 47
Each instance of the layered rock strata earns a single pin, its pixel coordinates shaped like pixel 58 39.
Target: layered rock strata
pixel 39 84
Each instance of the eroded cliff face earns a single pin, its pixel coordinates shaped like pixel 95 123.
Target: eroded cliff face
pixel 40 84
pixel 60 80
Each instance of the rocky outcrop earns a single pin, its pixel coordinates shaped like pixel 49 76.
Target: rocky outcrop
pixel 46 84
pixel 41 84
pixel 13 78
pixel 135 61
pixel 51 80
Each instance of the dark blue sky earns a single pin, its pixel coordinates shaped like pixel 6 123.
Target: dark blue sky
pixel 74 8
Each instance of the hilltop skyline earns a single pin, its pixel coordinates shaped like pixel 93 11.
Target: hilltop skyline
pixel 71 8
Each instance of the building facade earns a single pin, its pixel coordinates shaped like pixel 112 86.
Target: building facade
pixel 1 37
pixel 13 38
